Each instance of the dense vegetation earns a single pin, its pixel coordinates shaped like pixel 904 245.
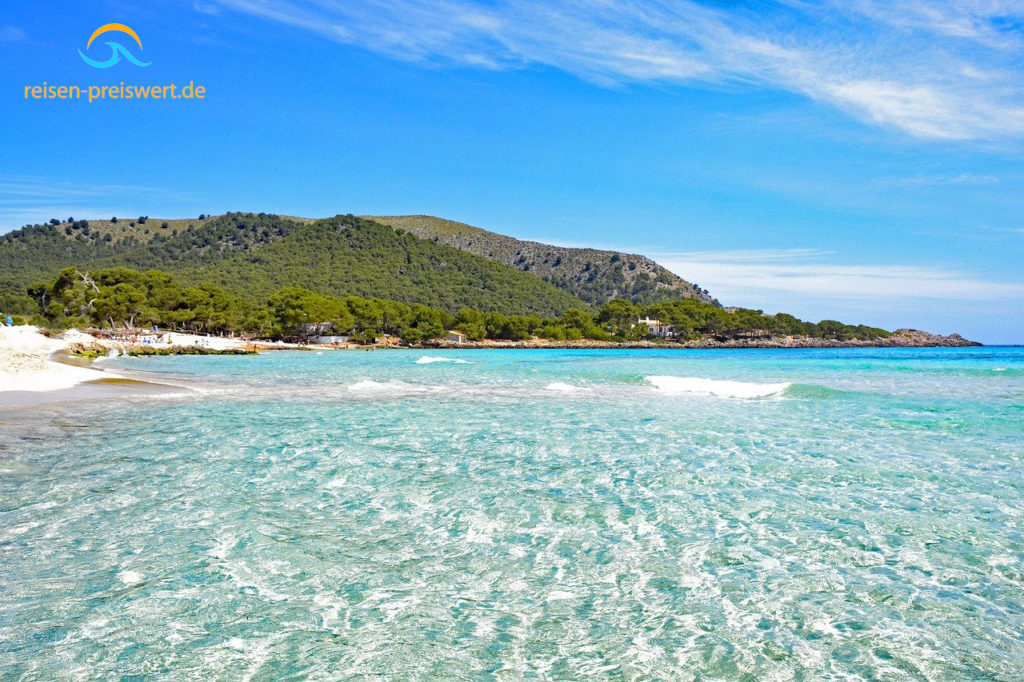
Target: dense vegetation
pixel 351 256
pixel 273 276
pixel 123 297
pixel 253 255
pixel 42 250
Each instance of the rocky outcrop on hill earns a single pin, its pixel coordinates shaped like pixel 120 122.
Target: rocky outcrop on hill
pixel 594 275
pixel 916 337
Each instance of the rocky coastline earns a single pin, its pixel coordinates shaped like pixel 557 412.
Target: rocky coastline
pixel 901 338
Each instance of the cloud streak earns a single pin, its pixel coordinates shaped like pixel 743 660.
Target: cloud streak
pixel 957 179
pixel 947 71
pixel 27 200
pixel 764 275
pixel 12 34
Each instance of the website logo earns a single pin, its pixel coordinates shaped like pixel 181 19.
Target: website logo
pixel 139 91
pixel 117 50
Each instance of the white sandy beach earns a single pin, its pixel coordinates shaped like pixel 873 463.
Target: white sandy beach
pixel 25 363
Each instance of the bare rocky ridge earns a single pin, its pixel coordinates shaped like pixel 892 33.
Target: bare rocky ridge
pixel 915 337
pixel 594 275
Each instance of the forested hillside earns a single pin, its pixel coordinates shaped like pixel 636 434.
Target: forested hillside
pixel 252 255
pixel 124 298
pixel 351 256
pixel 593 275
pixel 39 251
pixel 275 276
pixel 414 258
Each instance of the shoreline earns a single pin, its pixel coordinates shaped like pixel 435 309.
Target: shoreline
pixel 107 388
pixel 691 345
pixel 901 338
pixel 87 347
pixel 540 344
pixel 36 368
pixel 32 361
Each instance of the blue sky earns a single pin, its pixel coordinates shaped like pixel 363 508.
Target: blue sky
pixel 861 160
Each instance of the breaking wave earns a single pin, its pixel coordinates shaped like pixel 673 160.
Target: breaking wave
pixel 389 387
pixel 562 387
pixel 430 359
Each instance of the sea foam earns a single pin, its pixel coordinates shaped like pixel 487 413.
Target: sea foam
pixel 368 386
pixel 562 387
pixel 430 359
pixel 130 577
pixel 724 389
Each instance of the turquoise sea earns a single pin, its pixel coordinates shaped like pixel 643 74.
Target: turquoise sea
pixel 695 515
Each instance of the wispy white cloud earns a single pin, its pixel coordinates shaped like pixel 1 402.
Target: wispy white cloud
pixel 752 275
pixel 25 200
pixel 948 70
pixel 12 34
pixel 1013 231
pixel 956 179
pixel 747 255
pixel 994 23
pixel 206 8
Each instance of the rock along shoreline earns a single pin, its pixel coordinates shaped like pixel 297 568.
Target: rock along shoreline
pixel 901 338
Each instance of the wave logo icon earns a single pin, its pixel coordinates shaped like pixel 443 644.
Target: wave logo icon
pixel 117 50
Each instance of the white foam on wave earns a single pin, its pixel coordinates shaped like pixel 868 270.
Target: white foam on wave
pixel 365 385
pixel 130 577
pixel 430 359
pixel 724 389
pixel 223 547
pixel 369 386
pixel 562 387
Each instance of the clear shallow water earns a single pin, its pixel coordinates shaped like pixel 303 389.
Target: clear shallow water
pixel 545 514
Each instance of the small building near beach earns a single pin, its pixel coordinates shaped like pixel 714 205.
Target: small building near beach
pixel 313 329
pixel 657 327
pixel 455 337
pixel 330 339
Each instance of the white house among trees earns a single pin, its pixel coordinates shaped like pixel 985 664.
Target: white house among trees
pixel 657 327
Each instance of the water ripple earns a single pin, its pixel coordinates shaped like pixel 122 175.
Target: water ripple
pixel 557 535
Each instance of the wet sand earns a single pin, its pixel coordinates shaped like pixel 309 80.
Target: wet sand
pixel 113 388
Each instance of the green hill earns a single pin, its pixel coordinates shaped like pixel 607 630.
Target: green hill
pixel 271 275
pixel 593 275
pixel 38 251
pixel 352 256
pixel 252 255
